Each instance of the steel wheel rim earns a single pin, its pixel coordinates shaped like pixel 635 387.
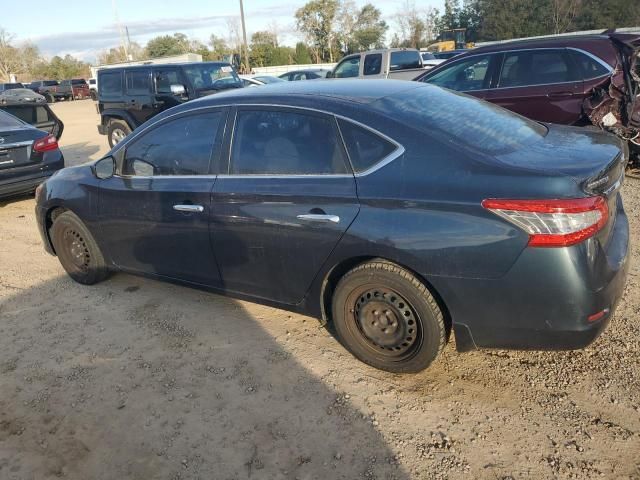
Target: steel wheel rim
pixel 384 322
pixel 76 250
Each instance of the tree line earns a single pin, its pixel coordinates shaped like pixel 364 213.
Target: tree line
pixel 330 29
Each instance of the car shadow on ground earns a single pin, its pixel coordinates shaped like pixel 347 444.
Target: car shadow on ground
pixel 79 153
pixel 134 378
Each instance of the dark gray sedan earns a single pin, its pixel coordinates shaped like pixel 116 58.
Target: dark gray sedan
pixel 396 211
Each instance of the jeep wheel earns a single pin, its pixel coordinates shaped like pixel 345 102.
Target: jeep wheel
pixel 49 98
pixel 117 131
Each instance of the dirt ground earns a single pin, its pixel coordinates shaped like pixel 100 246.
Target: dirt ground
pixel 137 379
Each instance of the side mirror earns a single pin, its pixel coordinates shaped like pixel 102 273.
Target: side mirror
pixel 104 168
pixel 178 90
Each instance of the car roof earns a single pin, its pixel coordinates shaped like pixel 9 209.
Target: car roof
pixel 156 65
pixel 290 92
pixel 560 41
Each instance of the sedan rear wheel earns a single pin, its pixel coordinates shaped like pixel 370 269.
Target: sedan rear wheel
pixel 77 250
pixel 387 318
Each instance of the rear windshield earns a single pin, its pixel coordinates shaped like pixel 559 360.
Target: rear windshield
pixel 78 82
pixel 9 121
pixel 9 86
pixel 462 119
pixel 207 76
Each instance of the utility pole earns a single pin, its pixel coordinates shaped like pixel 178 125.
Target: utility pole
pixel 244 38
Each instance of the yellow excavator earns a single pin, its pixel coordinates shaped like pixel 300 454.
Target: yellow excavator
pixel 451 39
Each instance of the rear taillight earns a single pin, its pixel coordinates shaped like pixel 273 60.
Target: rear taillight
pixel 553 223
pixel 45 144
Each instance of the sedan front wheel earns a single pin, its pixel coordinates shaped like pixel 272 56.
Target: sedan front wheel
pixel 387 318
pixel 77 250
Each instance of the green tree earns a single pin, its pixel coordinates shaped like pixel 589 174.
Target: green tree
pixel 165 45
pixel 370 29
pixel 317 20
pixel 261 49
pixel 302 55
pixel 219 47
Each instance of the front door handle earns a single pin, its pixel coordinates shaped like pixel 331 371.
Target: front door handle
pixel 314 217
pixel 189 208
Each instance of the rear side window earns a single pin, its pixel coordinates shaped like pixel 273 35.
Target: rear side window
pixel 404 59
pixel 589 67
pixel 179 147
pixel 536 67
pixel 111 83
pixel 373 64
pixel 365 147
pixel 138 81
pixel 278 142
pixel 29 113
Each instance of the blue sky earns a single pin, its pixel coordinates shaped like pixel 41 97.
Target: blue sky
pixel 85 27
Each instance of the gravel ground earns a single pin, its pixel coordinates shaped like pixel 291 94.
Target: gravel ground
pixel 137 379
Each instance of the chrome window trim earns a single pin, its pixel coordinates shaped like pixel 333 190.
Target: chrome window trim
pixel 398 152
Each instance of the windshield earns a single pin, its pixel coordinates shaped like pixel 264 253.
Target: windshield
pixel 463 119
pixel 78 82
pixel 208 76
pixel 50 83
pixel 268 79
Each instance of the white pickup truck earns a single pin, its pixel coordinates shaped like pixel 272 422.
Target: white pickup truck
pixel 395 63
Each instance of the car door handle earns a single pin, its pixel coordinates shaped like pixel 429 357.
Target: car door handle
pixel 189 208
pixel 560 94
pixel 314 217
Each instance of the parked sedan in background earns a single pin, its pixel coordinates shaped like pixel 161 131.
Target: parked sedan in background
pixel 309 74
pixel 16 95
pixel 259 80
pixel 10 86
pixel 573 80
pixel 321 198
pixel 27 156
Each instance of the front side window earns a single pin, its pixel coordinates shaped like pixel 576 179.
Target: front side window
pixel 278 142
pixel 348 68
pixel 166 78
pixel 138 82
pixel 405 59
pixel 536 67
pixel 463 76
pixel 365 147
pixel 373 64
pixel 111 83
pixel 208 76
pixel 178 147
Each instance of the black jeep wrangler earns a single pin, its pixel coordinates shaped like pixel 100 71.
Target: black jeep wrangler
pixel 129 96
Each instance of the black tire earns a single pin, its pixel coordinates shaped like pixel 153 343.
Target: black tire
pixel 387 318
pixel 93 95
pixel 117 130
pixel 49 98
pixel 77 250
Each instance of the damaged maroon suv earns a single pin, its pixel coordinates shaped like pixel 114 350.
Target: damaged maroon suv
pixel 572 80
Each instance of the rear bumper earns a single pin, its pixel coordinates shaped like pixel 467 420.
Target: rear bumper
pixel 24 185
pixel 545 300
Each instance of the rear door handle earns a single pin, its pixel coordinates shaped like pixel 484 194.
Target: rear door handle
pixel 314 217
pixel 560 94
pixel 189 208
